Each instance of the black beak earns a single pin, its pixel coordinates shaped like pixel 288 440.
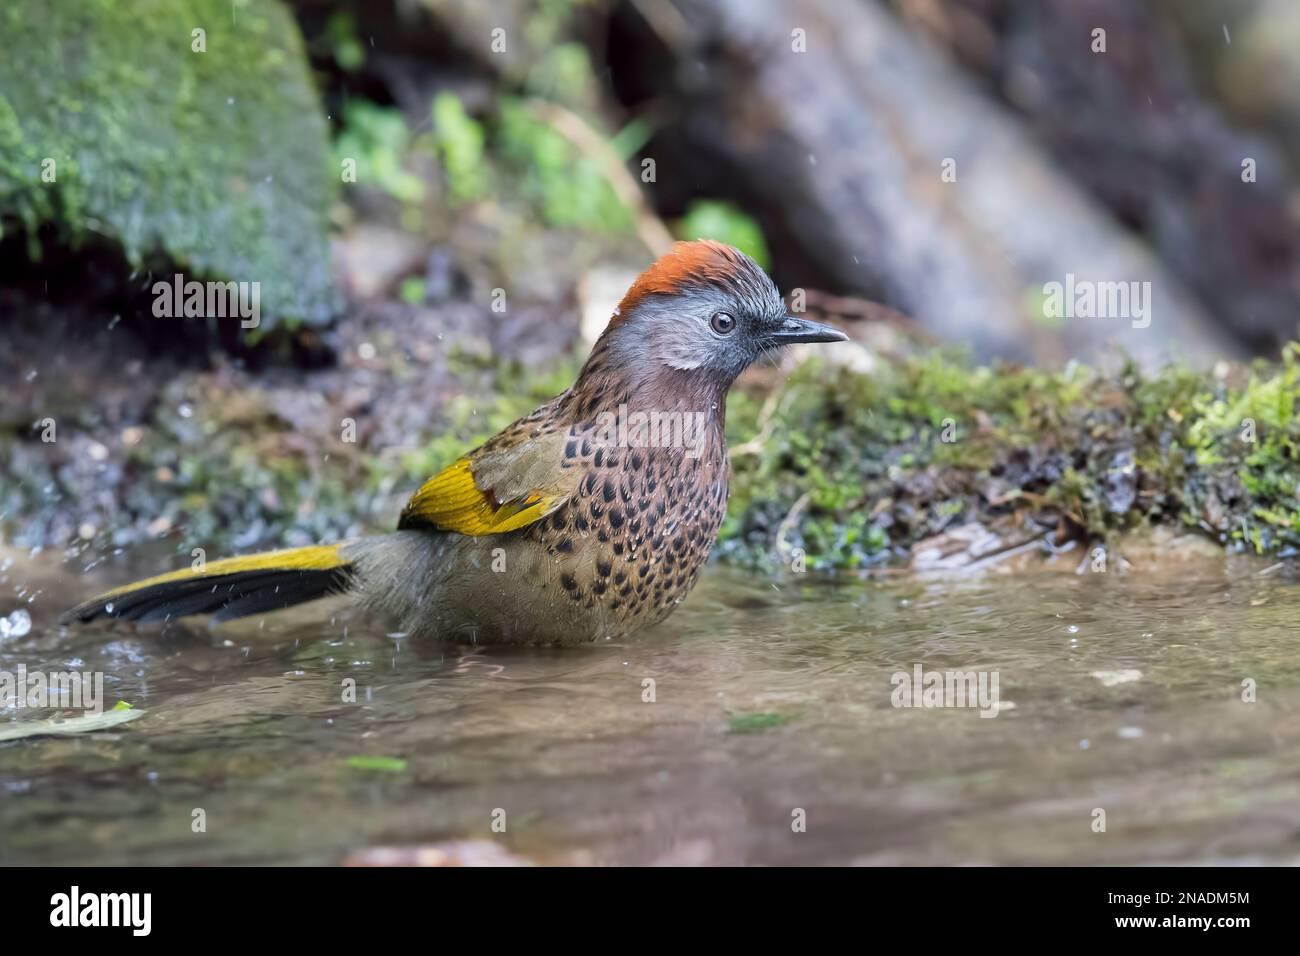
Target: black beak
pixel 802 330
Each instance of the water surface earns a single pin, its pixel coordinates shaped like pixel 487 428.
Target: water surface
pixel 772 703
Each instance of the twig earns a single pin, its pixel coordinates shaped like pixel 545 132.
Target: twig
pixel 867 311
pixel 766 420
pixel 790 520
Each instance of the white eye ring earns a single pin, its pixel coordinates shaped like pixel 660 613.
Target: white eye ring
pixel 723 323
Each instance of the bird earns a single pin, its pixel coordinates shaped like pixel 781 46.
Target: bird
pixel 589 518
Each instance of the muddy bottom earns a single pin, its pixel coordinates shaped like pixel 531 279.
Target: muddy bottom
pixel 757 726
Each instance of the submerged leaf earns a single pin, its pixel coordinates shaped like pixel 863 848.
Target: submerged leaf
pixel 757 723
pixel 60 726
pixel 388 764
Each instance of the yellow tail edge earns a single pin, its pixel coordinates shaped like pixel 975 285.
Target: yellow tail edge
pixel 319 557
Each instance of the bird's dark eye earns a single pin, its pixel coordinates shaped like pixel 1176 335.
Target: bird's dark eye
pixel 722 323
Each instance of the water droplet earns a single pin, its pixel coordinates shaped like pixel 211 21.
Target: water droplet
pixel 17 624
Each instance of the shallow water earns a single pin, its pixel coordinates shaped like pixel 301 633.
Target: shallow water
pixel 770 697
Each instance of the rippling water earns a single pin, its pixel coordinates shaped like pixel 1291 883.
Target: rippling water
pixel 773 704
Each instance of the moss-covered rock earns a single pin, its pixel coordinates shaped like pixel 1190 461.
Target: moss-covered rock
pixel 117 118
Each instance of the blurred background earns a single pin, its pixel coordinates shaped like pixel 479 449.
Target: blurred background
pixel 443 199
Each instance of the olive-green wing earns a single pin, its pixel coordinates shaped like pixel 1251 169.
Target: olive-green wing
pixel 508 483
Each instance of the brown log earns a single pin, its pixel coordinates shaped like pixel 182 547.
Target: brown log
pixel 842 146
pixel 1158 126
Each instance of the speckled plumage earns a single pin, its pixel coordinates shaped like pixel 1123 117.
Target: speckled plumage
pixel 617 555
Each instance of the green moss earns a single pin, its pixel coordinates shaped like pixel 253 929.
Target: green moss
pixel 855 469
pixel 216 158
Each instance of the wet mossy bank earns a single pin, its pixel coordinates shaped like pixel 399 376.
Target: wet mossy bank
pixel 833 467
pixel 853 469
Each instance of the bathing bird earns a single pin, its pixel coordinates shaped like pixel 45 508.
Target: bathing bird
pixel 589 518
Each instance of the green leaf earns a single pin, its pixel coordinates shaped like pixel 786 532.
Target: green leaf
pixel 62 726
pixel 377 140
pixel 459 139
pixel 386 764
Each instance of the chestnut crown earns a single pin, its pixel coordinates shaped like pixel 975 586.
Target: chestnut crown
pixel 707 307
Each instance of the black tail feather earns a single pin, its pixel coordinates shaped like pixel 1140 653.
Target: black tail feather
pixel 226 596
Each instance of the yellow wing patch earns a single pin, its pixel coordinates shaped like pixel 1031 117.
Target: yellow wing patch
pixel 452 501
